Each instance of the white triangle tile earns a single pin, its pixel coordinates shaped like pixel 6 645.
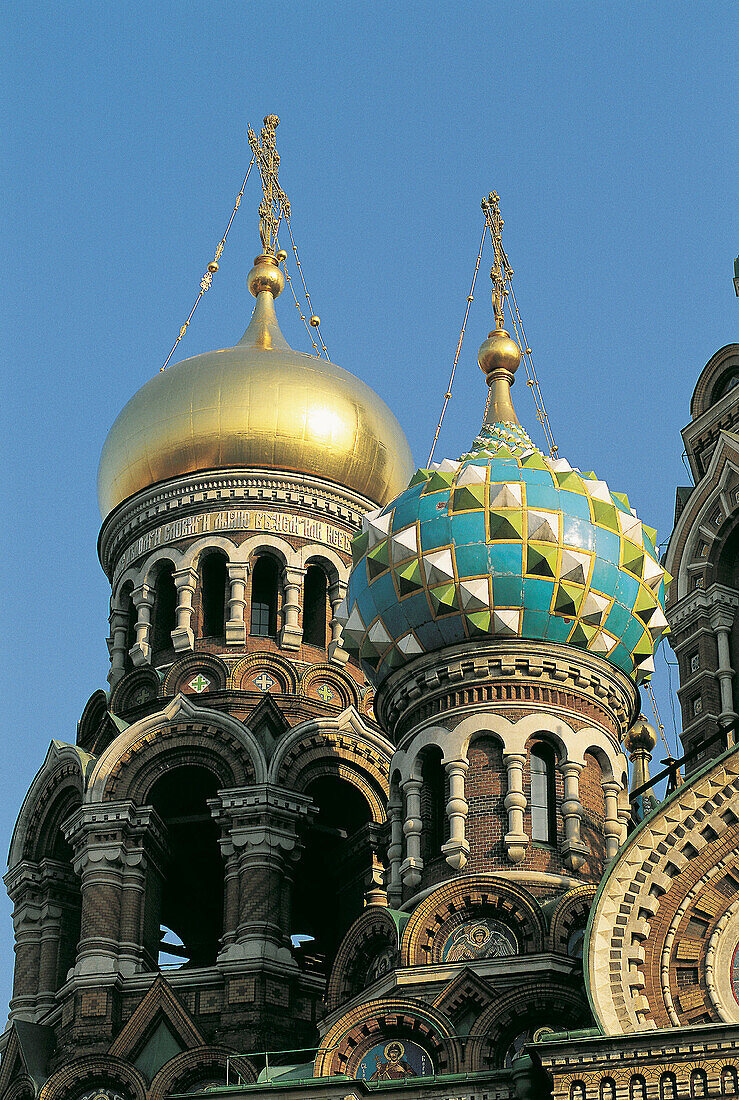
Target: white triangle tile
pixel 474 594
pixel 575 566
pixel 600 644
pixel 543 526
pixel 405 542
pixel 378 635
pixel 561 465
pixel 448 465
pixel 354 627
pixel 409 645
pixel 646 668
pixel 630 527
pixel 472 475
pixel 377 527
pixel 657 624
pixel 593 608
pixel 598 490
pixel 506 621
pixel 438 566
pixel 506 495
pixel 653 572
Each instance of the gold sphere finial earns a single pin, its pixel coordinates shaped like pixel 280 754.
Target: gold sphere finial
pixel 640 736
pixel 266 275
pixel 499 353
pixel 281 256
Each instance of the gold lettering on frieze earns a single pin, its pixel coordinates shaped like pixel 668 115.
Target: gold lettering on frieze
pixel 236 519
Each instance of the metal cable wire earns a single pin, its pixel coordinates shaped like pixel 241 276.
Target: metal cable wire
pixel 448 394
pixel 207 279
pixel 314 317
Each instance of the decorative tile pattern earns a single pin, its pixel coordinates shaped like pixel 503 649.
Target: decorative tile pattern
pixel 504 543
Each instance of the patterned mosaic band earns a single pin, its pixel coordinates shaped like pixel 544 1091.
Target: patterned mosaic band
pixel 506 542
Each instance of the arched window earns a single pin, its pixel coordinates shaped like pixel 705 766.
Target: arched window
pixel 543 794
pixel 125 602
pixel 314 607
pixel 184 919
pixel 264 598
pixel 433 803
pixel 729 1081
pixel 577 1091
pixel 164 612
pixel 668 1087
pixel 698 1083
pixel 213 580
pixel 637 1088
pixel 607 1089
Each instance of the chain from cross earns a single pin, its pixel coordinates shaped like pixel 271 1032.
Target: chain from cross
pixel 200 683
pixel 263 681
pixel 275 202
pixel 324 692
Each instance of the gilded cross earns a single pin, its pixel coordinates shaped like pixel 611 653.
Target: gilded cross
pixel 501 269
pixel 324 692
pixel 274 201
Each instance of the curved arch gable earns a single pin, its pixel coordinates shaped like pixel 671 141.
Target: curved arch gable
pixel 91 1070
pixel 376 926
pixel 65 765
pixel 231 745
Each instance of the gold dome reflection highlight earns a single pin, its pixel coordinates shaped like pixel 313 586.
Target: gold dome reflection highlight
pixel 258 404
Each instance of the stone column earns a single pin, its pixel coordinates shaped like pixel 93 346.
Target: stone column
pixel 612 828
pixel 291 635
pixel 23 885
pixel 182 635
pixel 235 625
pixel 411 868
pixel 721 624
pixel 261 844
pixel 457 848
pixel 143 601
pixel 573 849
pixel 515 839
pixel 395 848
pixel 117 645
pixel 336 652
pixel 109 841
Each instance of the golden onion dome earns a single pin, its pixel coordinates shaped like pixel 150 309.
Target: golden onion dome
pixel 256 405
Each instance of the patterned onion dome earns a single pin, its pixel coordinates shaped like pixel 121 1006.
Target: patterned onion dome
pixel 505 543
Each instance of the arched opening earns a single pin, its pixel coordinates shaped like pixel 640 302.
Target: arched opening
pixel 314 607
pixel 543 794
pixel 638 1088
pixel 729 1081
pixel 433 803
pixel 577 1091
pixel 265 578
pixel 213 581
pixel 164 612
pixel 698 1084
pixel 329 884
pixel 727 566
pixel 62 889
pixel 187 899
pixel 608 1089
pixel 129 609
pixel 668 1087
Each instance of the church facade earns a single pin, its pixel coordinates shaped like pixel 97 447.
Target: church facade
pixel 354 813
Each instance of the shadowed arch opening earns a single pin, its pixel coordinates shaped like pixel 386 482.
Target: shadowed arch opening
pixel 129 610
pixel 315 600
pixel 213 570
pixel 264 588
pixel 433 803
pixel 186 895
pixel 542 763
pixel 329 884
pixel 164 612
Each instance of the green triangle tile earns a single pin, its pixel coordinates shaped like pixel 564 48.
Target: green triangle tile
pixel 378 559
pixel 646 604
pixel 409 577
pixel 581 635
pixel 468 498
pixel 394 659
pixel 605 514
pixel 541 560
pixel 506 524
pixel 651 534
pixel 632 558
pixel 568 479
pixel 622 499
pixel 419 477
pixel 643 648
pixel 444 599
pixel 368 652
pixel 478 622
pixel 440 479
pixel 534 461
pixel 589 475
pixel 567 599
pixel 360 543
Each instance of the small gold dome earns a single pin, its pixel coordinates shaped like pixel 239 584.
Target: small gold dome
pixel 258 404
pixel 499 352
pixel 640 736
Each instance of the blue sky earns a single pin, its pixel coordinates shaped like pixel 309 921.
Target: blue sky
pixel 607 129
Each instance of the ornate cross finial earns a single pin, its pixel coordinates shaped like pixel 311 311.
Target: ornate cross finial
pixel 501 269
pixel 275 202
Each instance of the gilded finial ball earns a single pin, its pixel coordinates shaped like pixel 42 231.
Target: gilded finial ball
pixel 212 267
pixel 266 275
pixel 640 736
pixel 499 352
pixel 281 256
pixel 315 321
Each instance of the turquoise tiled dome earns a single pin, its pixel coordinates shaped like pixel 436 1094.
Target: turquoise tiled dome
pixel 505 543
